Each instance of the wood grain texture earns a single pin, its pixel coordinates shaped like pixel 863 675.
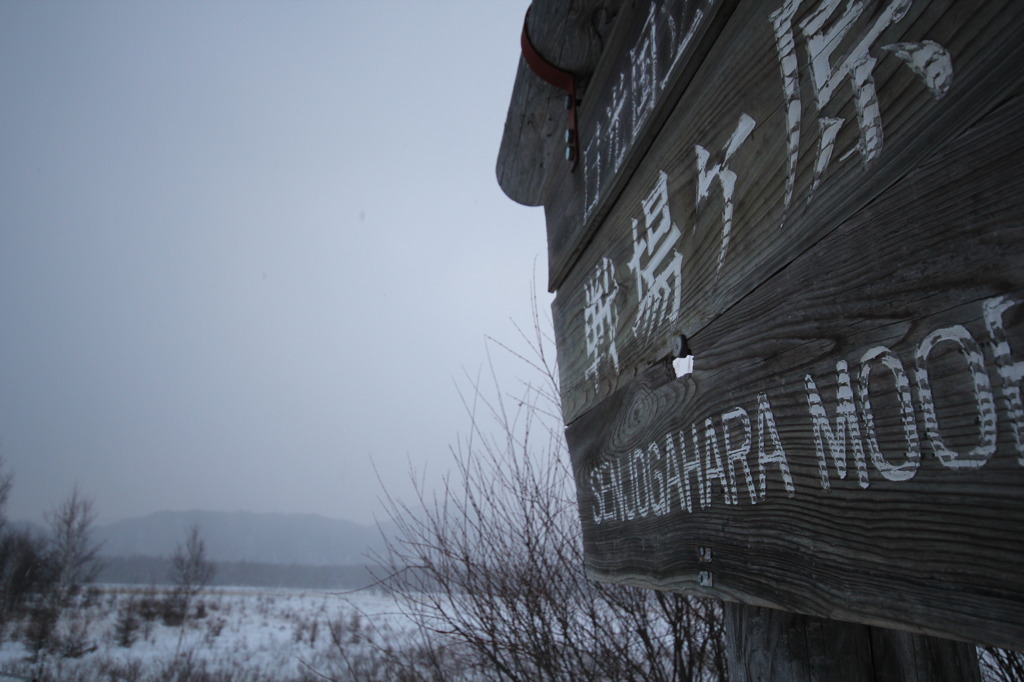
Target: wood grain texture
pixel 570 34
pixel 765 644
pixel 925 533
pixel 651 56
pixel 770 225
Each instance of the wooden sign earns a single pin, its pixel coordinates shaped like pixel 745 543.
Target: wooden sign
pixel 825 199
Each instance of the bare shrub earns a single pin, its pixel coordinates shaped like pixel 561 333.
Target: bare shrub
pixel 492 564
pixel 149 606
pixel 214 627
pixel 126 671
pixel 71 639
pixel 127 625
pixel 306 629
pixel 173 610
pixel 25 572
pixel 39 631
pixel 25 569
pixel 91 597
pixel 345 631
pixel 1001 665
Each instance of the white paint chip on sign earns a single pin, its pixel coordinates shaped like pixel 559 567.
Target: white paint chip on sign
pixel 683 366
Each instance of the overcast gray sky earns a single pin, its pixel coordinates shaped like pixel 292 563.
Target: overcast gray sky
pixel 246 247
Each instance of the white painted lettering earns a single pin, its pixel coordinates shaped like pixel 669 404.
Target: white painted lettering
pixel 785 48
pixel 657 263
pixel 826 30
pixel 643 59
pixel 726 179
pixel 598 489
pixel 930 61
pixel 713 467
pixel 1010 372
pixel 646 481
pixel 622 512
pixel 846 423
pixel 617 139
pixel 657 489
pixel 766 427
pixel 592 170
pixel 680 478
pixel 971 352
pixel 905 470
pixel 601 320
pixel 638 478
pixel 653 60
pixel 738 453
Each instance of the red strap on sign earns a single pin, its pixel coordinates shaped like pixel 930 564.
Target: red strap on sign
pixel 561 79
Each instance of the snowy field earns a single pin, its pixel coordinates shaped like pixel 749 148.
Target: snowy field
pixel 119 634
pixel 252 634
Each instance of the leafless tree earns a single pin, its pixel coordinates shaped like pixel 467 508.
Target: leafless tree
pixel 493 566
pixel 191 572
pixel 72 550
pixel 6 481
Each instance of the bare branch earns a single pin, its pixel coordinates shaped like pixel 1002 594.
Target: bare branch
pixel 492 563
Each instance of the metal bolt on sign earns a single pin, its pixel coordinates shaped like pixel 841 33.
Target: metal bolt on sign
pixel 561 79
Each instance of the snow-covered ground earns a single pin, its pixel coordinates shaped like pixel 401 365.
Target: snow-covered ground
pixel 238 635
pixel 233 634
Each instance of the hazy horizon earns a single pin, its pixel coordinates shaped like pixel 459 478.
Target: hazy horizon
pixel 248 249
pixel 108 522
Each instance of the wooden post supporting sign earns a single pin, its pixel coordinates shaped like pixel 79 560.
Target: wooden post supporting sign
pixel 765 644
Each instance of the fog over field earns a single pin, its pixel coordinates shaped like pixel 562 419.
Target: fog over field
pixel 246 249
pixel 246 536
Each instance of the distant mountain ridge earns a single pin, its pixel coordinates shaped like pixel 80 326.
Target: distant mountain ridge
pixel 307 539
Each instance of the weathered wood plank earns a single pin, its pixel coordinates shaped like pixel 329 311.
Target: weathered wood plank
pixel 742 482
pixel 570 34
pixel 652 55
pixel 765 644
pixel 658 268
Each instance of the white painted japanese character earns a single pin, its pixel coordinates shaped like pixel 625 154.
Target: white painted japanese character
pixel 618 136
pixel 643 59
pixel 657 262
pixel 726 179
pixel 824 31
pixel 600 319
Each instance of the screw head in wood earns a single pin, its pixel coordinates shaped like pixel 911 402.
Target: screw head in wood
pixel 680 346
